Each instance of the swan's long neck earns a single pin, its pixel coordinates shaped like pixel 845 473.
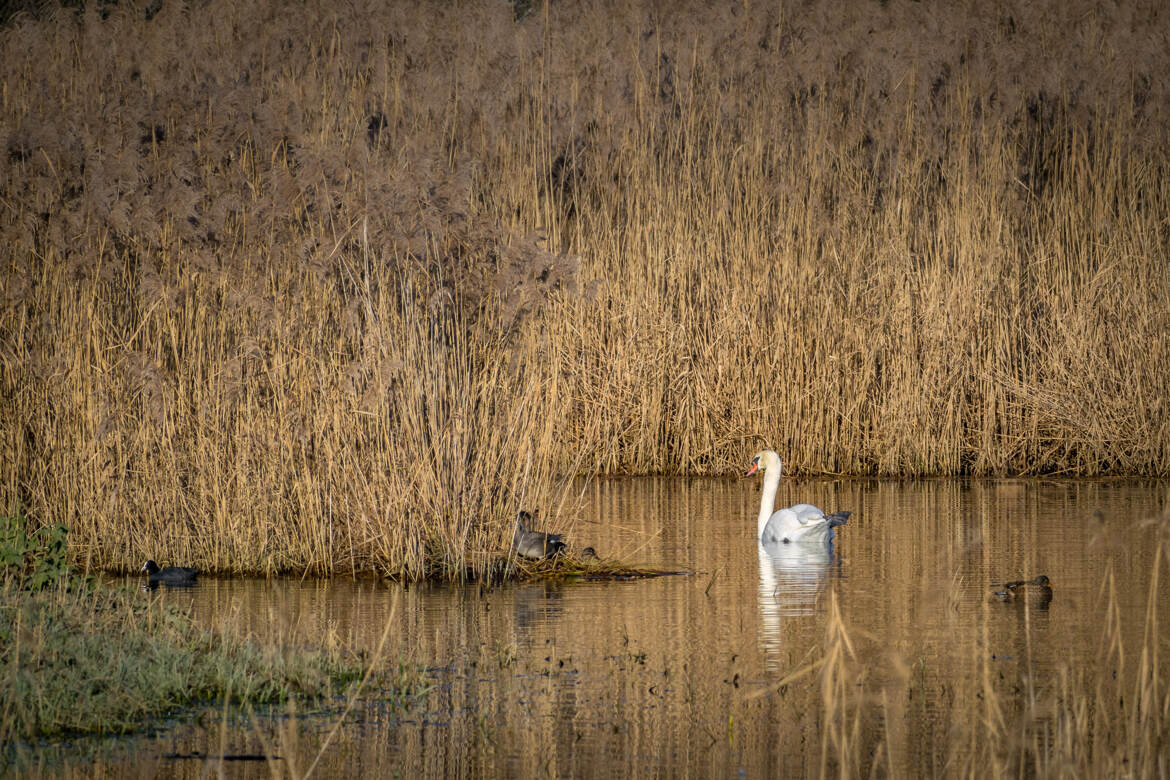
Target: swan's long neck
pixel 768 498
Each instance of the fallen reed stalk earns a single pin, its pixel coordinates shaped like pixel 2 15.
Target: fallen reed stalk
pixel 309 289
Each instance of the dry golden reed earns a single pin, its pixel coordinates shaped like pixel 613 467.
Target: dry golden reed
pixel 324 288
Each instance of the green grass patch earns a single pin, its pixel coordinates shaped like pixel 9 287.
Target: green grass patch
pixel 84 657
pixel 99 659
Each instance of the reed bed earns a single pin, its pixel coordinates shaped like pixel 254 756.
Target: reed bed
pixel 326 288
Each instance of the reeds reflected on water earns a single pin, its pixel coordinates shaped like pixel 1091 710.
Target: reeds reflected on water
pixel 904 667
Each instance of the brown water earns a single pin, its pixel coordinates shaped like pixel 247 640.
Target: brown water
pixel 680 675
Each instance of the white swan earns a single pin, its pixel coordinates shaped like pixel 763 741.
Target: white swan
pixel 799 523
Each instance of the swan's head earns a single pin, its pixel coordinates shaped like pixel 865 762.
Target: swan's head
pixel 762 461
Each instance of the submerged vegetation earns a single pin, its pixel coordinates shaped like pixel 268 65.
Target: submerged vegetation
pixel 327 288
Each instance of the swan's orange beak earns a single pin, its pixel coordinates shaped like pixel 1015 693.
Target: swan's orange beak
pixel 755 467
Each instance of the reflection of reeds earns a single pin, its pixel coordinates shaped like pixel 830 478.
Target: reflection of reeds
pixel 276 301
pixel 840 734
pixel 1100 720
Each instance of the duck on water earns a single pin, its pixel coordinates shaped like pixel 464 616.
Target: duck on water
pixel 798 523
pixel 171 575
pixel 1037 590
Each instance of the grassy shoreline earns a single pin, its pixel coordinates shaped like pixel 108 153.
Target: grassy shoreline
pixel 96 659
pixel 84 657
pixel 346 294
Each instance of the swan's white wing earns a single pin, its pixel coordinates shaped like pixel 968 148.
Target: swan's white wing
pixel 781 525
pixel 807 513
pixel 799 523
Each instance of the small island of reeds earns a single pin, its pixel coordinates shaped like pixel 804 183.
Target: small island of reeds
pixel 571 567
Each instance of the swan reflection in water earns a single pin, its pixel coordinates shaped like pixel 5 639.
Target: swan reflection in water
pixel 793 575
pixel 792 582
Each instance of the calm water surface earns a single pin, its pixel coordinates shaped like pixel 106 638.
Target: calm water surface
pixel 682 675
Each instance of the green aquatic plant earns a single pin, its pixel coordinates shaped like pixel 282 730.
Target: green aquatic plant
pixel 36 559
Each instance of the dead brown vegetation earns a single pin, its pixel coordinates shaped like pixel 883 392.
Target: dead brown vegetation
pixel 324 287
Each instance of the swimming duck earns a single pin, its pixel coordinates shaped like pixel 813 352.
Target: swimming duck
pixel 1037 590
pixel 171 575
pixel 799 523
pixel 534 544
